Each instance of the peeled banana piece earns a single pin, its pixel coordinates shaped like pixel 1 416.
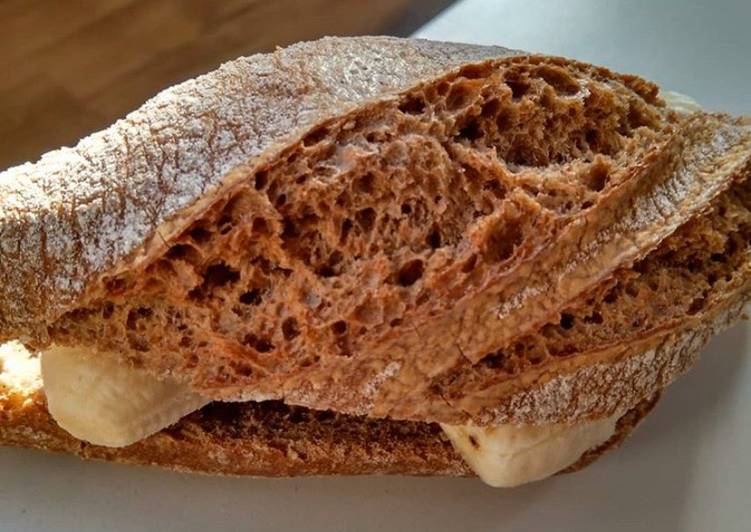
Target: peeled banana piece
pixel 509 455
pixel 107 403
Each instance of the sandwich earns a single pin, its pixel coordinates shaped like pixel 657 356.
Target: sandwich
pixel 371 255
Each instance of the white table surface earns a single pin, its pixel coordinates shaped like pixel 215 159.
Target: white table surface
pixel 687 468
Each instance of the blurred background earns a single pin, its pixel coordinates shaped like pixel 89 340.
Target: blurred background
pixel 71 67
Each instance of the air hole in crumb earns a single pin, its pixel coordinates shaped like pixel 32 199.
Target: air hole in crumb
pixel 180 251
pixel 496 188
pixel 366 219
pixel 135 314
pixel 434 238
pixel 567 321
pixel 470 131
pixel 518 88
pixel 611 296
pixel 251 297
pixel 289 229
pixel 597 178
pixel 469 264
pixel 107 310
pixel 200 235
pixel 473 441
pixel 412 105
pixel 364 184
pixel 395 322
pixel 470 174
pixel 696 305
pixel 331 267
pixel 220 275
pixel 490 108
pixel 636 118
pixel 406 208
pixel 496 360
pixel 315 136
pixel 591 136
pixel 290 329
pixel 346 228
pixel 502 242
pixel 410 272
pixel 281 199
pixel 339 327
pixel 260 226
pixel 115 286
pixel 595 317
pixel 243 370
pixel 343 199
pixel 506 119
pixel 185 341
pixel 262 178
pixel 261 345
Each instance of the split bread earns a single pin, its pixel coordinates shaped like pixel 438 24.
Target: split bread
pixel 428 232
pixel 262 439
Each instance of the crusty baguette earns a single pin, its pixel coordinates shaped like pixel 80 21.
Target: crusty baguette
pixel 264 439
pixel 357 224
pixel 108 203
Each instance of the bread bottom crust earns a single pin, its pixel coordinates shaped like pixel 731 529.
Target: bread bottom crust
pixel 275 440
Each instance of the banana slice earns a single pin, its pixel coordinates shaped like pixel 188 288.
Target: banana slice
pixel 509 455
pixel 110 404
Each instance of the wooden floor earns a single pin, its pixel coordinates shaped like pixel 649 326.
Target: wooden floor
pixel 70 67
